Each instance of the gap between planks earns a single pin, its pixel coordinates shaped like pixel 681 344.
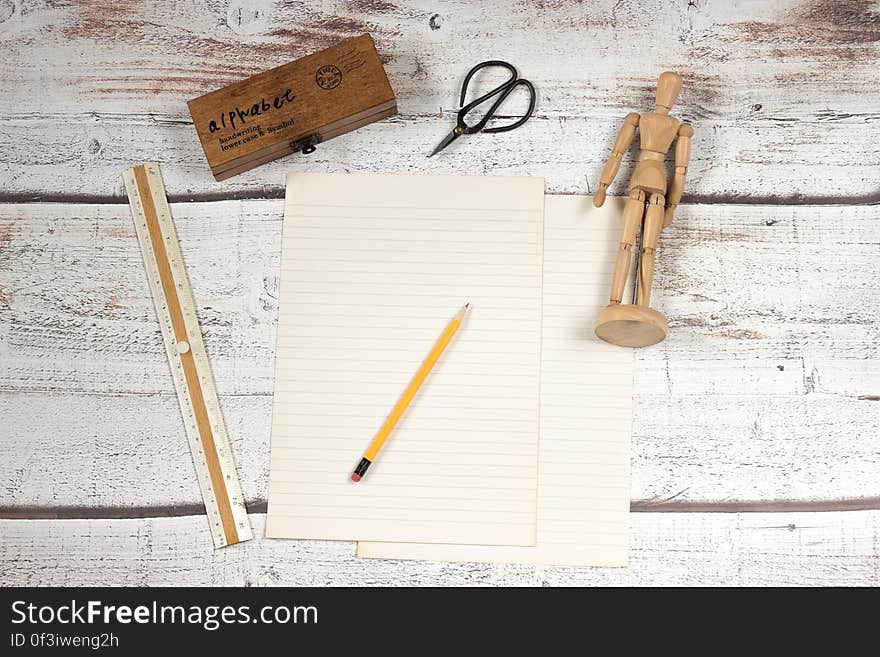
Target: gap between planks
pixel 278 193
pixel 636 506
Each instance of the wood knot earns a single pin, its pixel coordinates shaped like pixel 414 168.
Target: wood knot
pixel 248 17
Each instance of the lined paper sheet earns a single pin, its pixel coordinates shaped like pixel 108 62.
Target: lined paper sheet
pixel 586 407
pixel 372 269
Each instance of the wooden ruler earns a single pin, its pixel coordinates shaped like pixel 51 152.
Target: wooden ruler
pixel 190 369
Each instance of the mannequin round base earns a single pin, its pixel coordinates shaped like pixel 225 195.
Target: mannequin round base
pixel 631 326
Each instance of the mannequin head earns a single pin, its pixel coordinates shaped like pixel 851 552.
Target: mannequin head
pixel 668 86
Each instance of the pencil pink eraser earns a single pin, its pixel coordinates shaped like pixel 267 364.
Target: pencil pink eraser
pixel 355 476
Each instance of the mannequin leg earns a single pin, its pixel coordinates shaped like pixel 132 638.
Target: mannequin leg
pixel 650 237
pixel 632 219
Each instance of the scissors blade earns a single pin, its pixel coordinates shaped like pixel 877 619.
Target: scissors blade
pixel 451 137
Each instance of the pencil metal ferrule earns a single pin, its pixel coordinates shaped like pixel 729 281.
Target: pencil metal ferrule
pixel 361 469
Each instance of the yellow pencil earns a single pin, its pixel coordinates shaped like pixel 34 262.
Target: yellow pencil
pixel 411 391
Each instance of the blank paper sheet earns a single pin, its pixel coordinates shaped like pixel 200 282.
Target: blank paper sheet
pixel 586 407
pixel 373 267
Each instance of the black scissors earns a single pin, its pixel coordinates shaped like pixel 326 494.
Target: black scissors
pixel 462 128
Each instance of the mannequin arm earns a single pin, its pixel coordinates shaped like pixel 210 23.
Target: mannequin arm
pixel 676 187
pixel 621 144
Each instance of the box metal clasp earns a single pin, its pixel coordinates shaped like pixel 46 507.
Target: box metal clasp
pixel 307 144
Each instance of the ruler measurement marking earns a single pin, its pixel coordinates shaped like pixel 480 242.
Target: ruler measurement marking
pixel 198 404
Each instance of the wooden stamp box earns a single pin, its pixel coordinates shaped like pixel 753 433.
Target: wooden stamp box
pixel 293 107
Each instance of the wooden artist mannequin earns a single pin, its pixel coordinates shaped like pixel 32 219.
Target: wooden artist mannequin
pixel 651 205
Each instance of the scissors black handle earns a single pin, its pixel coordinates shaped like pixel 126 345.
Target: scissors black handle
pixel 503 91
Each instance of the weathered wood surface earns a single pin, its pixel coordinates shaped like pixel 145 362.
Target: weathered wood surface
pixel 765 549
pixel 766 390
pixel 764 398
pixel 777 91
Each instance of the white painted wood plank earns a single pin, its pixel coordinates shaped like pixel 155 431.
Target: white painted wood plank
pixel 73 275
pixel 741 295
pixel 775 90
pixel 128 451
pixel 55 161
pixel 763 549
pixel 766 389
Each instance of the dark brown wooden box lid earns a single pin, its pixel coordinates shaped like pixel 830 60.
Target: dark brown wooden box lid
pixel 314 98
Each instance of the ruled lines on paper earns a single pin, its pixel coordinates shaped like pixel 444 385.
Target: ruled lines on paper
pixel 372 269
pixel 586 407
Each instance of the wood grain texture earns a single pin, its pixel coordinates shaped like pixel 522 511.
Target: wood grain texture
pixel 766 389
pixel 256 119
pixel 774 90
pixel 764 397
pixel 666 549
